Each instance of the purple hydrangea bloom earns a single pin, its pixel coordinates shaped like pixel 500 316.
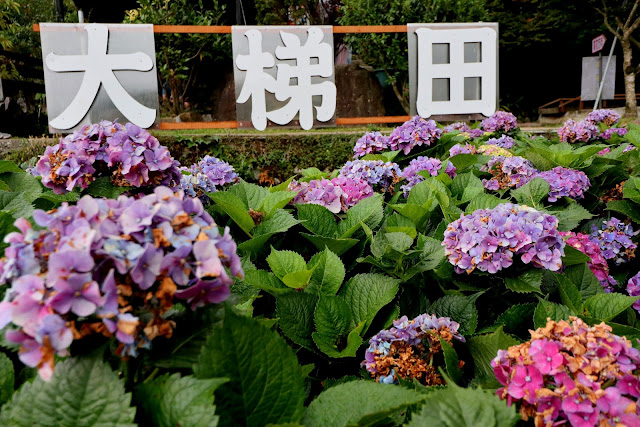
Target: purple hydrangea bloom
pixel 487 239
pixel 606 135
pixel 379 174
pixel 369 143
pixel 462 149
pixel 429 164
pixel 633 288
pixel 578 132
pixel 476 133
pixel 597 264
pixel 500 121
pixel 338 194
pixel 508 172
pixel 386 344
pixel 208 175
pixel 129 155
pixel 564 182
pixel 414 132
pixel 608 117
pixel 614 238
pixel 505 141
pixel 457 126
pixel 115 266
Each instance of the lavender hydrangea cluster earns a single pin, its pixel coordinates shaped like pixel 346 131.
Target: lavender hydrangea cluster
pixel 607 134
pixel 400 352
pixel 505 141
pixel 508 172
pixel 476 133
pixel 457 126
pixel 608 117
pixel 129 155
pixel 583 131
pixel 414 132
pixel 338 194
pixel 633 288
pixel 614 238
pixel 487 239
pixel 597 264
pixel 110 267
pixel 564 182
pixel 462 149
pixel 379 174
pixel 500 121
pixel 429 164
pixel 206 176
pixel 369 143
pixel 571 373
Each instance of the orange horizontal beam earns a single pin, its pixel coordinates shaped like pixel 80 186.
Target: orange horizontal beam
pixel 226 29
pixel 198 125
pixel 367 120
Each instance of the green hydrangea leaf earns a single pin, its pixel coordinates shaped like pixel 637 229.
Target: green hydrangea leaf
pixel 328 273
pixel 366 294
pixel 607 306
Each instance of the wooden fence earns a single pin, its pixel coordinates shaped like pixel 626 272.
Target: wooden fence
pixel 226 29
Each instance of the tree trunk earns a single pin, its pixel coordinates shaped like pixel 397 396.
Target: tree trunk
pixel 631 105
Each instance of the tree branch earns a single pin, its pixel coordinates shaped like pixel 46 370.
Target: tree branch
pixel 633 11
pixel 634 41
pixel 607 24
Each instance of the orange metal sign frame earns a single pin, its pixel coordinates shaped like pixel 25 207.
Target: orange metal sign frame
pixel 226 29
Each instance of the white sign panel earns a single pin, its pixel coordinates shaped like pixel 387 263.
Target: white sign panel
pixel 597 44
pixel 97 72
pixel 282 74
pixel 453 68
pixel 592 72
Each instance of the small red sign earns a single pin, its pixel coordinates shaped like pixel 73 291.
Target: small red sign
pixel 597 44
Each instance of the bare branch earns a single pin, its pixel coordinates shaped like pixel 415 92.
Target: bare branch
pixel 607 24
pixel 635 42
pixel 633 11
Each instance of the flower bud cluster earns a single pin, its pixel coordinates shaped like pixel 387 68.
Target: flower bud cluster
pixel 370 143
pixel 487 239
pixel 110 267
pixel 207 176
pixel 597 264
pixel 614 238
pixel 500 121
pixel 129 155
pixel 407 350
pixel 564 182
pixel 572 373
pixel 338 194
pixel 493 150
pixel 508 172
pixel 414 132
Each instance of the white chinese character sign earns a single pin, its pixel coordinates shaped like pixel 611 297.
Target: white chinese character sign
pixel 97 72
pixel 284 75
pixel 453 68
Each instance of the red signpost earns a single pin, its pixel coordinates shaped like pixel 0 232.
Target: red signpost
pixel 597 44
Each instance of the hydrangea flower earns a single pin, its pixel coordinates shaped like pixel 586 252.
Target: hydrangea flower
pixel 370 142
pixel 571 373
pixel 608 117
pixel 338 194
pixel 129 155
pixel 487 239
pixel 508 172
pixel 206 176
pixel 597 263
pixel 500 121
pixel 606 135
pixel 110 267
pixel 564 182
pixel 614 238
pixel 476 133
pixel 414 132
pixel 462 149
pixel 457 126
pixel 582 131
pixel 505 141
pixel 633 288
pixel 493 150
pixel 407 350
pixel 431 165
pixel 379 174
